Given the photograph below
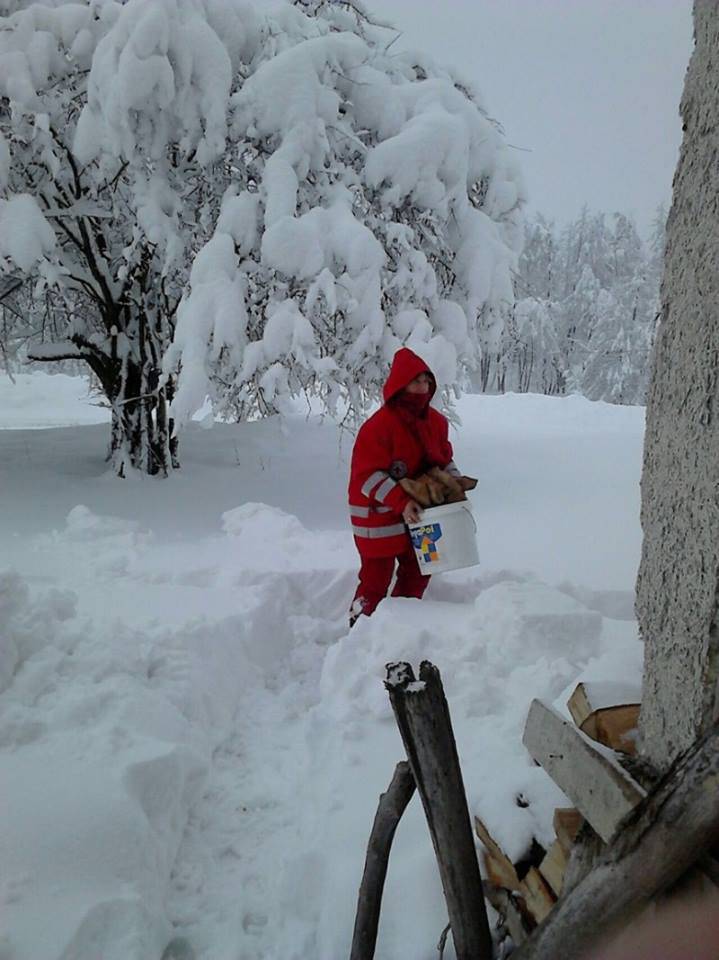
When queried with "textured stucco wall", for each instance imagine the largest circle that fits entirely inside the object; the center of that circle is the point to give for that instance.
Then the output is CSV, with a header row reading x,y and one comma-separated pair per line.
x,y
678,582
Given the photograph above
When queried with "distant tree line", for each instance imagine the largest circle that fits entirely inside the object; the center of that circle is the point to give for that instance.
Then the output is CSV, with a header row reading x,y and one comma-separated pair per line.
x,y
585,313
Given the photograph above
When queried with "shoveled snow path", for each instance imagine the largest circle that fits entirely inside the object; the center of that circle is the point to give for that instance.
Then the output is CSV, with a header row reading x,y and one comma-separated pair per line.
x,y
227,884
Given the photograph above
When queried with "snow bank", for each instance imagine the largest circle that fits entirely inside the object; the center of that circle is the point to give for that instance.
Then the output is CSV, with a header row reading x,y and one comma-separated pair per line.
x,y
39,400
107,740
507,642
191,743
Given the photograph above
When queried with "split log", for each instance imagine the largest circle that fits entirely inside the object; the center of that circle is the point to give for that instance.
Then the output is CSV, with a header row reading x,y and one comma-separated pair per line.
x,y
535,892
512,912
567,821
422,715
607,712
498,867
658,843
600,789
553,867
392,805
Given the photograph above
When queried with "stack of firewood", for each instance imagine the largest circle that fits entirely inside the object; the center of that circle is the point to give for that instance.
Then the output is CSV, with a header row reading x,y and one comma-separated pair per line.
x,y
524,892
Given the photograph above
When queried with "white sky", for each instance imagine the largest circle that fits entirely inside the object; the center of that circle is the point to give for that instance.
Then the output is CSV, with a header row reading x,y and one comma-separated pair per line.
x,y
591,87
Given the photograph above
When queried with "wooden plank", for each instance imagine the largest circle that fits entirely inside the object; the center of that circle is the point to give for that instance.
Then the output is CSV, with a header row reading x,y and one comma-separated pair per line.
x,y
553,866
665,836
567,821
602,792
423,719
498,867
537,894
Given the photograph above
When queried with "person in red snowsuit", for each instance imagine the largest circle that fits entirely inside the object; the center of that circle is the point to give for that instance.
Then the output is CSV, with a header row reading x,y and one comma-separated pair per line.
x,y
405,437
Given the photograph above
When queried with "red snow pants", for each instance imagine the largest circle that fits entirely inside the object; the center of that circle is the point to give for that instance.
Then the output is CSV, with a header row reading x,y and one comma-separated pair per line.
x,y
375,577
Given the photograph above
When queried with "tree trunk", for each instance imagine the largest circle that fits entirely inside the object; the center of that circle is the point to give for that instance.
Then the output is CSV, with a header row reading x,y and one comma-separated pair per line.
x,y
423,719
140,434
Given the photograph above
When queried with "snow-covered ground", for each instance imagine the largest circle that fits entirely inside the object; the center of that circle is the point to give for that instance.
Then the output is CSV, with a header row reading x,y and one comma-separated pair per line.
x,y
190,741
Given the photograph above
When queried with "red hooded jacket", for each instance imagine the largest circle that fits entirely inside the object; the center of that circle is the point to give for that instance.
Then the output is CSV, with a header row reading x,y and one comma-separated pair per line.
x,y
393,443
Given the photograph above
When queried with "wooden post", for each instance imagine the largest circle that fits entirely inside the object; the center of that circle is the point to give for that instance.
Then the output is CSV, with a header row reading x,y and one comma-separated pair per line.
x,y
392,805
422,714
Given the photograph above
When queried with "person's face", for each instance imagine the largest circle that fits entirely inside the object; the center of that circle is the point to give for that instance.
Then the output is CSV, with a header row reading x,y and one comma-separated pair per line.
x,y
420,384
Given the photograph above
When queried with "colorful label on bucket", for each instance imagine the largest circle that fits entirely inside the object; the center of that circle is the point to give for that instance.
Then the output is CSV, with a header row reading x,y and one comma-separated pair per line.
x,y
424,540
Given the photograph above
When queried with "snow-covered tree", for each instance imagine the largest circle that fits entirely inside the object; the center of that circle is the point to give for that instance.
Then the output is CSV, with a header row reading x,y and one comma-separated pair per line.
x,y
111,117
276,187
375,205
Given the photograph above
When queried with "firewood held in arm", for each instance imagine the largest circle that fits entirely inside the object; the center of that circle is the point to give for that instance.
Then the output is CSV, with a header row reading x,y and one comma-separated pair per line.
x,y
436,487
422,715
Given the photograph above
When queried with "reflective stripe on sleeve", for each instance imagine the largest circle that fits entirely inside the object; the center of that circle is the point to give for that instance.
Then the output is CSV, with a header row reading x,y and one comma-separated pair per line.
x,y
376,533
384,488
360,511
377,477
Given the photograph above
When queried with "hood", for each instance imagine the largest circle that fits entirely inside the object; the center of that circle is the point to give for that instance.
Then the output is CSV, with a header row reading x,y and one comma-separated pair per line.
x,y
406,365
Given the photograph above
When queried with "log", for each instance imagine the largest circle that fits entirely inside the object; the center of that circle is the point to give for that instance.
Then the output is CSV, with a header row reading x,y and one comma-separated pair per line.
x,y
607,712
553,867
499,868
512,911
392,805
536,894
615,727
602,792
567,821
422,715
589,696
658,843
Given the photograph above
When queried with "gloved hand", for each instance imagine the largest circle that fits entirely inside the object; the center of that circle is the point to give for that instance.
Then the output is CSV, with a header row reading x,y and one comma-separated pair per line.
x,y
411,512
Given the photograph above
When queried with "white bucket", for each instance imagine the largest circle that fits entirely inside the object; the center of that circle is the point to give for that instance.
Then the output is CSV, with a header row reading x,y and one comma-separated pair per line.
x,y
444,539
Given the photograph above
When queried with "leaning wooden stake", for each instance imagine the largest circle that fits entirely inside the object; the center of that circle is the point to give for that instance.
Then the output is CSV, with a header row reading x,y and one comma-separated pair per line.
x,y
391,806
422,714
658,843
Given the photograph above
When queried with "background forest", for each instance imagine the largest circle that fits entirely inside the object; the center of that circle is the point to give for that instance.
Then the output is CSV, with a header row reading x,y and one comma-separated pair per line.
x,y
586,310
